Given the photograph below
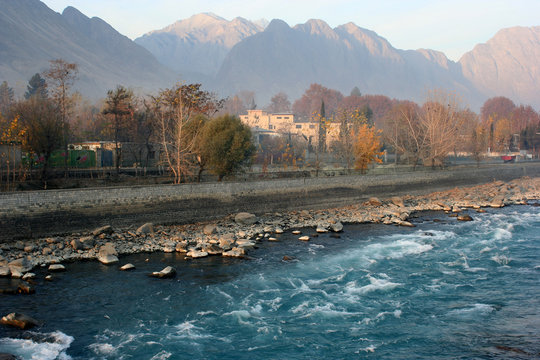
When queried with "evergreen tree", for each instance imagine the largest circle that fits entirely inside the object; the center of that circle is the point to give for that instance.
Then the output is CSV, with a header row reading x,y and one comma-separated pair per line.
x,y
6,98
356,91
322,129
37,86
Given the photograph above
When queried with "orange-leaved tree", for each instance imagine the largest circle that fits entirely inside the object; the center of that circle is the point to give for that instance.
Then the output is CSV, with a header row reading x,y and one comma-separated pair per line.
x,y
367,147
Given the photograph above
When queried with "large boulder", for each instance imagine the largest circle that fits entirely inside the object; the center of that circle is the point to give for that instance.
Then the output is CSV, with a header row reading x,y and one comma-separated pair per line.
x,y
195,254
19,320
127,267
145,229
4,271
107,254
21,265
84,243
107,229
337,227
210,229
373,201
245,218
398,201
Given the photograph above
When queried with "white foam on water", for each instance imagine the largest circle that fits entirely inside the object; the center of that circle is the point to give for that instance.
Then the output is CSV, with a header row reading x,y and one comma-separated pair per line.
x,y
485,250
204,313
103,349
375,285
326,310
502,234
381,316
369,349
501,259
188,330
52,347
240,315
396,249
162,355
476,309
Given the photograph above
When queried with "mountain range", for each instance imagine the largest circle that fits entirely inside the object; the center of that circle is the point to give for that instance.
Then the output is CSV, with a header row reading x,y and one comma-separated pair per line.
x,y
237,55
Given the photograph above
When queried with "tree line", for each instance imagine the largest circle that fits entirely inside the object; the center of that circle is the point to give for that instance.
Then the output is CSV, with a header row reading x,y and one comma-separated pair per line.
x,y
198,131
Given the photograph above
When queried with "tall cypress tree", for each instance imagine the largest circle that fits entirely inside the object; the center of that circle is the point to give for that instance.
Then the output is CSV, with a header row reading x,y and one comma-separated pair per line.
x,y
6,97
322,129
37,86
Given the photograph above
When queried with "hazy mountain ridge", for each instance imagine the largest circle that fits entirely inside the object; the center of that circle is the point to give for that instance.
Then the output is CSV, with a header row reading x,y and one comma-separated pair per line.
x,y
197,45
31,34
236,55
288,59
507,65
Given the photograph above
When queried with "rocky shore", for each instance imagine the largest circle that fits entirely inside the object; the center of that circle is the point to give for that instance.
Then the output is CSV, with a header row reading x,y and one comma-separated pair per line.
x,y
236,234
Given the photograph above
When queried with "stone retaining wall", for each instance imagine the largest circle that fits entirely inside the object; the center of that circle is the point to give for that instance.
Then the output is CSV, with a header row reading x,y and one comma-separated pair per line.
x,y
45,213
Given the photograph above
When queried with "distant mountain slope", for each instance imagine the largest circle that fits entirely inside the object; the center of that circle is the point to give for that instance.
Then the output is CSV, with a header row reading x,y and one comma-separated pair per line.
x,y
508,65
31,34
199,44
288,59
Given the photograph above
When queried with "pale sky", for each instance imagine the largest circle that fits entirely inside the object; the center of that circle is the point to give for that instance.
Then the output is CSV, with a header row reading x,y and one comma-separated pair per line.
x,y
450,26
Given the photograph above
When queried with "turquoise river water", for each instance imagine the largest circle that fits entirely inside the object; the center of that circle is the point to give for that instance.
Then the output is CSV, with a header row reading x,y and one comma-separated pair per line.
x,y
442,290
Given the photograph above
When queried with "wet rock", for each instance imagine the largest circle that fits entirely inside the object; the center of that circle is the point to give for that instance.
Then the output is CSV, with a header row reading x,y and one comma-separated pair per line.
x,y
406,224
272,239
321,228
244,218
245,243
465,217
19,320
127,267
288,258
235,252
15,286
49,277
29,248
480,211
107,229
84,243
278,230
304,238
46,251
4,271
195,254
28,276
212,249
107,259
146,229
166,273
296,232
337,227
56,268
181,247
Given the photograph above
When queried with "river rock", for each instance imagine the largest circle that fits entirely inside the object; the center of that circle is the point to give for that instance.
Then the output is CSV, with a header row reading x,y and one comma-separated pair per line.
x,y
28,276
396,200
210,229
321,228
235,252
127,267
337,227
244,218
57,267
84,243
212,249
245,243
29,248
304,238
107,229
46,251
4,271
181,247
278,230
373,201
195,254
19,320
108,249
16,273
21,265
166,273
406,224
107,259
271,238
465,217
145,229
296,232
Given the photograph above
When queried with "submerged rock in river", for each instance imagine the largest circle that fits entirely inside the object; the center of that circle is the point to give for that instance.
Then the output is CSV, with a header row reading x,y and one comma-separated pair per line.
x,y
19,320
168,272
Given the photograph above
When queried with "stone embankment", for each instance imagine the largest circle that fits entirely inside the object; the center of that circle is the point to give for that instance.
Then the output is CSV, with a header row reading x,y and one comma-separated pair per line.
x,y
235,235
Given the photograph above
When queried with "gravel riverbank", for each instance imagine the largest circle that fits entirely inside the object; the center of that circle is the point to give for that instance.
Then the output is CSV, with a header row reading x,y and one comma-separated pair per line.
x,y
236,234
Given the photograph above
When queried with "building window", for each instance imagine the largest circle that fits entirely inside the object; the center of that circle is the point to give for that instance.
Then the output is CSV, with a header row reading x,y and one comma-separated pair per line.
x,y
287,117
298,126
279,117
270,127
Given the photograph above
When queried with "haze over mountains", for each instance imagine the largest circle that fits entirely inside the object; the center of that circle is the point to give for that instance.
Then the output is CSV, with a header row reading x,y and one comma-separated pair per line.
x,y
232,56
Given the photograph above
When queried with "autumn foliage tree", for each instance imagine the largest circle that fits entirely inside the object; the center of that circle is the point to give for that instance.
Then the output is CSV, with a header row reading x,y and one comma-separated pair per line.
x,y
367,147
